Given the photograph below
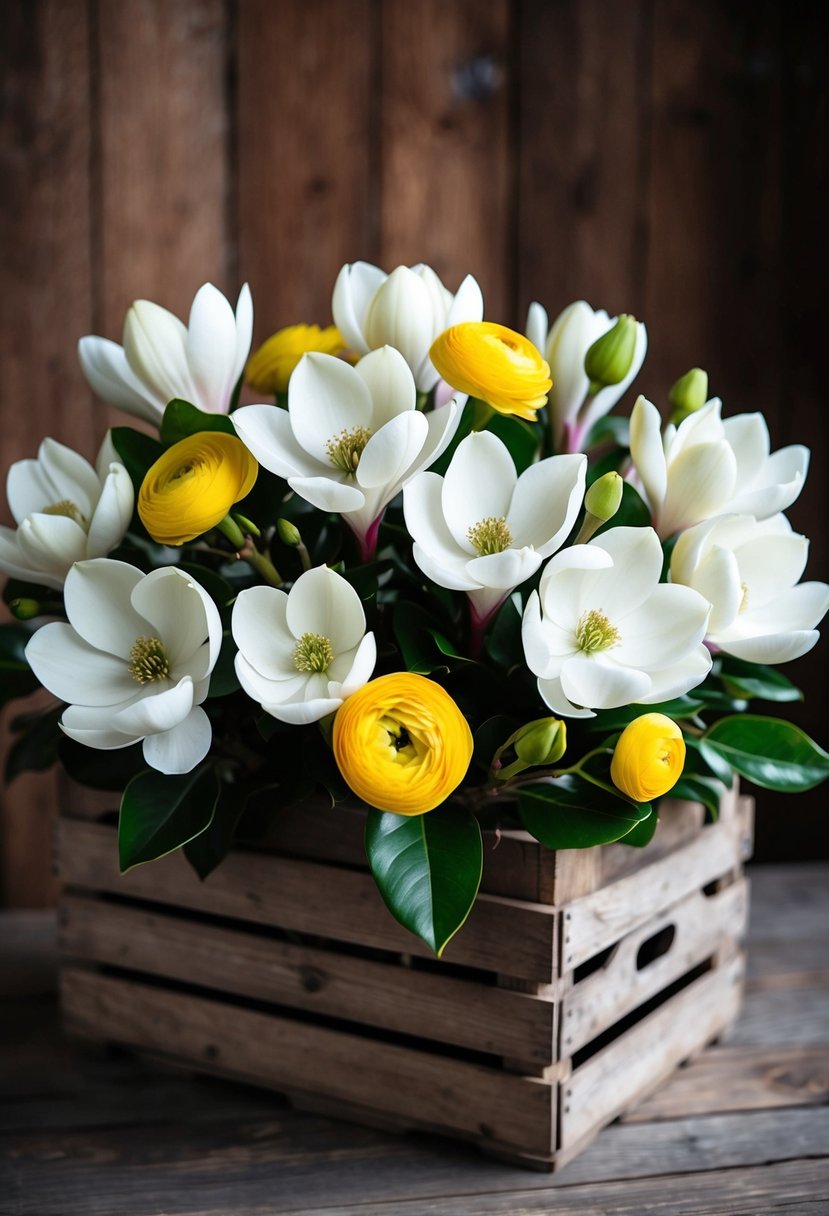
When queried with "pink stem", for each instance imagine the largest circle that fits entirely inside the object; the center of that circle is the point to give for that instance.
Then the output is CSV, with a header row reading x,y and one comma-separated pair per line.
x,y
478,627
368,540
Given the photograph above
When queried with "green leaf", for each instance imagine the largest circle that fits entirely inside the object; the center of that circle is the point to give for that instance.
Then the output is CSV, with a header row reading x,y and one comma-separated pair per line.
x,y
641,835
699,789
569,813
490,735
16,676
160,813
520,439
616,429
414,629
137,451
428,869
182,419
747,680
702,760
618,719
210,847
633,513
503,639
774,754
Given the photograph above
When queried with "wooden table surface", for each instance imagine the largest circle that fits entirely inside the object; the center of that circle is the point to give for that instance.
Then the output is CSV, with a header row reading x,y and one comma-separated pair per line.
x,y
743,1129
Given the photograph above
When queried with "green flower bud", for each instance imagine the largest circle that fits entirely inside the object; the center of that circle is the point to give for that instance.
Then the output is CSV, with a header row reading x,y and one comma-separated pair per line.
x,y
688,395
25,609
289,533
609,359
604,497
541,742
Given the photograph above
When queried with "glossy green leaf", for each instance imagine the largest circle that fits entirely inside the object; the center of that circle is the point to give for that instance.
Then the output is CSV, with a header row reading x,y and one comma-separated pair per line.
x,y
520,439
701,760
210,847
16,676
160,813
427,868
182,419
774,754
503,638
747,680
569,813
137,451
643,833
612,428
414,631
618,719
699,789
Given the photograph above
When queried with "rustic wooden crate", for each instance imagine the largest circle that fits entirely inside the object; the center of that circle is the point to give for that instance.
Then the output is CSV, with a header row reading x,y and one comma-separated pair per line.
x,y
580,981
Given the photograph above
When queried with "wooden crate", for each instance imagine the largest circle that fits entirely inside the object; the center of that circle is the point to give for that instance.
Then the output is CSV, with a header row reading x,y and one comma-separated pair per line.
x,y
580,981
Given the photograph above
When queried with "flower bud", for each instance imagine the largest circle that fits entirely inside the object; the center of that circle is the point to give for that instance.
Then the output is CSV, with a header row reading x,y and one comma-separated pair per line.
x,y
688,395
610,357
648,758
541,742
289,533
25,609
604,497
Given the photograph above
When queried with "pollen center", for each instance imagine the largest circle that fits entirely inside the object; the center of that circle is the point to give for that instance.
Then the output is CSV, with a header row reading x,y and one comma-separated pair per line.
x,y
490,535
595,633
313,653
743,599
148,660
68,509
344,450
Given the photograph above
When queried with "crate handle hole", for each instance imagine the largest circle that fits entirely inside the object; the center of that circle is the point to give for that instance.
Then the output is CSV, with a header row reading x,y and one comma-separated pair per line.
x,y
655,947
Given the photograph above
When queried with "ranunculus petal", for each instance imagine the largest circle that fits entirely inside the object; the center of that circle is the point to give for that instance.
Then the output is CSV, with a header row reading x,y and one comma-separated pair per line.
x,y
326,397
158,711
322,602
478,485
182,747
73,670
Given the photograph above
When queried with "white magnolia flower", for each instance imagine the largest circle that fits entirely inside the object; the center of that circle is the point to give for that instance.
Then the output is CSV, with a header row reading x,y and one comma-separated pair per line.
x,y
302,653
161,358
707,467
601,631
747,570
351,437
564,346
65,511
483,529
133,661
406,309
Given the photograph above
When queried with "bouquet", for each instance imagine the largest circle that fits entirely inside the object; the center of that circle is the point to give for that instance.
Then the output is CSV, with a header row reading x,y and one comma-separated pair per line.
x,y
431,575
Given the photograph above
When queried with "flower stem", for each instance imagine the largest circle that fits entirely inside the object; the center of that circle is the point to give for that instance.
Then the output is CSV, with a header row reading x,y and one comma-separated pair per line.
x,y
247,551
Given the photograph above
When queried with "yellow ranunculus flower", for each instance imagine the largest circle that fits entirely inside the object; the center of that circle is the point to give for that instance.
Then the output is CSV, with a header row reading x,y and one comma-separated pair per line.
x,y
649,757
269,369
402,744
193,486
497,364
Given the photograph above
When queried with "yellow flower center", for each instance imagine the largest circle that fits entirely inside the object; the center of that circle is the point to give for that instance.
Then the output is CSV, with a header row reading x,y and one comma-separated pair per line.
x,y
68,509
594,633
313,653
490,535
148,660
743,599
344,450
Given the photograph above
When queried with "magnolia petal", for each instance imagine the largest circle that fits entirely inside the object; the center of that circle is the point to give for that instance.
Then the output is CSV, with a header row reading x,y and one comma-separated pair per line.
x,y
181,612
503,571
390,383
563,582
546,501
442,423
573,332
157,711
423,512
326,397
392,450
485,601
647,452
28,489
703,426
599,683
553,695
266,431
13,563
777,484
637,567
748,436
98,602
478,485
360,672
93,727
355,286
679,678
244,331
663,629
401,314
51,543
107,370
74,671
701,483
113,513
770,563
211,349
718,579
261,632
155,342
467,304
72,477
451,575
300,713
772,647
800,607
537,652
537,326
327,494
181,748
265,691
322,602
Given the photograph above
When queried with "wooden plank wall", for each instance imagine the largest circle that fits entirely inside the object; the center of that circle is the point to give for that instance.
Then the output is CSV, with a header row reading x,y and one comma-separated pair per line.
x,y
660,156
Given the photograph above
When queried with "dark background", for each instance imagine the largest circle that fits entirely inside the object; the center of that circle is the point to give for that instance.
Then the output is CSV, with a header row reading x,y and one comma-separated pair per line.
x,y
665,157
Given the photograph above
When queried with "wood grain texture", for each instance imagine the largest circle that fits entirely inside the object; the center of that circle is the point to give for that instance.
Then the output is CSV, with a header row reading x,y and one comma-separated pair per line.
x,y
304,187
446,143
45,305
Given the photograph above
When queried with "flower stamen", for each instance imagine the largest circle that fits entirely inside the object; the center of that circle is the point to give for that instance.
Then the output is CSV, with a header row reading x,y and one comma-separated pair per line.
x,y
313,653
594,633
148,661
490,535
68,509
743,599
344,450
